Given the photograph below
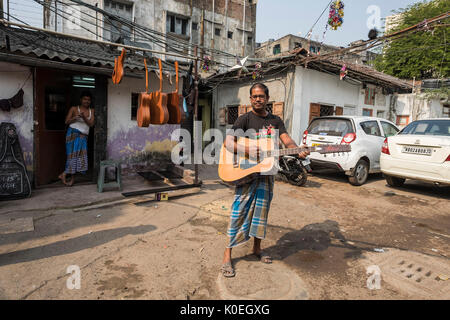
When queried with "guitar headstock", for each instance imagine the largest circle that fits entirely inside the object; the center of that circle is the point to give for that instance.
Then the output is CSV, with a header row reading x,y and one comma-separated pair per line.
x,y
333,148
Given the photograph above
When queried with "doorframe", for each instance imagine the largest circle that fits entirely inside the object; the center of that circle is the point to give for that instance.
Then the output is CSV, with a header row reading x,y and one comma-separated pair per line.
x,y
100,125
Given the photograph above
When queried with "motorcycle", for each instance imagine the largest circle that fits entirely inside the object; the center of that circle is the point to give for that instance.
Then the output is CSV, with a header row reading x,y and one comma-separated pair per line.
x,y
294,170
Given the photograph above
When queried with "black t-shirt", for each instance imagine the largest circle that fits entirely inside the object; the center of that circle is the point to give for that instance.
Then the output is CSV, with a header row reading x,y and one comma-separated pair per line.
x,y
262,125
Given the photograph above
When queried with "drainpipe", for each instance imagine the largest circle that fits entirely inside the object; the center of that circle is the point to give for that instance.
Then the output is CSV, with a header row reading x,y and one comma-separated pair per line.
x,y
243,32
213,29
202,33
226,24
56,16
96,21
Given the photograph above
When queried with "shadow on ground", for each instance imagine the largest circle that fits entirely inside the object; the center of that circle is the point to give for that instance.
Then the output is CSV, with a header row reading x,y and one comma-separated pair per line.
x,y
87,241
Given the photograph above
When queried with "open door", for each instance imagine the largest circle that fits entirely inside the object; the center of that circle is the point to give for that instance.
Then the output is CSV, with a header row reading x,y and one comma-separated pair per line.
x,y
56,92
52,105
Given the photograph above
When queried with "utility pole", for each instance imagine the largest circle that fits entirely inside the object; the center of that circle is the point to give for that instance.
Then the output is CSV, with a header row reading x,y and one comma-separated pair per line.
x,y
243,32
1,17
195,113
56,16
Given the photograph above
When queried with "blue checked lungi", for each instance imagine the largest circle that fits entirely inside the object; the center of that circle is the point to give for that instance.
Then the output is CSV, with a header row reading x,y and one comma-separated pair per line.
x,y
250,210
76,151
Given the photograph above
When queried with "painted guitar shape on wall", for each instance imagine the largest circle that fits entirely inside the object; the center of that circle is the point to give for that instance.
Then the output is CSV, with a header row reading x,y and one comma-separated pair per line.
x,y
233,167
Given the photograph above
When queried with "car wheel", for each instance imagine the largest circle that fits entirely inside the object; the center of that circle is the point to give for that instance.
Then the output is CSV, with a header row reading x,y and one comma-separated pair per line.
x,y
394,182
360,174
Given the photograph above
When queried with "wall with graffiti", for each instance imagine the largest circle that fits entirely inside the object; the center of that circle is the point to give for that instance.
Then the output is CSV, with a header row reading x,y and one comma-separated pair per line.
x,y
13,77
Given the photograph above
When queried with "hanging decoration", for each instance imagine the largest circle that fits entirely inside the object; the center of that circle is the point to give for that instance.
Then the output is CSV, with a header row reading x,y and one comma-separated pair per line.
x,y
343,72
335,19
257,72
240,66
206,63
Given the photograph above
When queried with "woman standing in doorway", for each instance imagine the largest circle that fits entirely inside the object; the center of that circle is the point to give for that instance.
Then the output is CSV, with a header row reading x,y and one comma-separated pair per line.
x,y
79,119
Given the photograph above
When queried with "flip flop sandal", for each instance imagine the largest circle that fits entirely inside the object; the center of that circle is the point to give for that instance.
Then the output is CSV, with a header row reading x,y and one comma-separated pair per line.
x,y
264,257
227,270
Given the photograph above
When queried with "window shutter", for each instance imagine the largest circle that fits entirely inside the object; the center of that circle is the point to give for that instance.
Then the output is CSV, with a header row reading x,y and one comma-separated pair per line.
x,y
242,110
222,116
314,111
339,111
278,109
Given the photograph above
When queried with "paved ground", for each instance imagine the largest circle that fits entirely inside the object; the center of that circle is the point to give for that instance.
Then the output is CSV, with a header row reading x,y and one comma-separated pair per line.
x,y
322,237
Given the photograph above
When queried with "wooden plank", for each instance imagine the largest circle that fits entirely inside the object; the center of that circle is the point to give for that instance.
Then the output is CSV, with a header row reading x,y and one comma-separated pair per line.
x,y
16,225
160,189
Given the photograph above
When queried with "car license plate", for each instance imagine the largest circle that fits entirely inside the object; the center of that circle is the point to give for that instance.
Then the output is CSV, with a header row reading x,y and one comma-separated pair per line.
x,y
315,145
417,150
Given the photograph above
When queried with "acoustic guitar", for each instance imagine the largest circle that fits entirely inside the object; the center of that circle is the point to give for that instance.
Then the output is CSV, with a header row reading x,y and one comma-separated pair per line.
x,y
158,107
118,68
175,103
145,99
234,167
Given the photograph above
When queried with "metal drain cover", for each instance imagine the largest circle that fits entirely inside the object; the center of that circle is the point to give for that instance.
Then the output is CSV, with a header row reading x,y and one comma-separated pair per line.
x,y
413,273
255,280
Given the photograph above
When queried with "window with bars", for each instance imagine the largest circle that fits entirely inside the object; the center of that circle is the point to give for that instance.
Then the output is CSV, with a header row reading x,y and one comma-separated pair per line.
x,y
277,49
232,114
177,24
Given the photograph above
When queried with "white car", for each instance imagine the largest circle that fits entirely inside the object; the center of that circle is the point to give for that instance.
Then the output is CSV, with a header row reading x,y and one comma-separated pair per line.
x,y
421,151
365,135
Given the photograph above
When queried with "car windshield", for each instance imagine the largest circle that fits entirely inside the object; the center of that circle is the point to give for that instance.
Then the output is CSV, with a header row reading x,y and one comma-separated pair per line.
x,y
428,127
330,127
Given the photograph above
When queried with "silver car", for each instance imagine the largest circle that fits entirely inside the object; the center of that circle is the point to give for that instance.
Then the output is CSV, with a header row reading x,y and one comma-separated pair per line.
x,y
365,135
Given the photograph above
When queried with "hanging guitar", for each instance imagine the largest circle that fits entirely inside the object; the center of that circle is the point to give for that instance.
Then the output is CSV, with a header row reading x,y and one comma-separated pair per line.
x,y
118,68
234,167
158,107
145,99
175,103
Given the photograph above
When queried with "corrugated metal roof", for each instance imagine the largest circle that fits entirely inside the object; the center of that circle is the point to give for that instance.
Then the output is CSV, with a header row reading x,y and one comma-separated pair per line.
x,y
298,56
67,49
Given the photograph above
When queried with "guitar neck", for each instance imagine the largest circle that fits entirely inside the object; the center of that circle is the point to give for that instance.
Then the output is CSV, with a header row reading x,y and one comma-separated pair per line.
x,y
286,152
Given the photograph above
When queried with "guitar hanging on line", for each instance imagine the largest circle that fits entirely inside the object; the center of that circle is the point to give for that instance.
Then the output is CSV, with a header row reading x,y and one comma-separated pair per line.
x,y
233,167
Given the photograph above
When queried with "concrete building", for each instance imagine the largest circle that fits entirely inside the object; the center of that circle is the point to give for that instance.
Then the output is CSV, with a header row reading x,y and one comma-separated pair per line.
x,y
53,71
392,22
300,92
226,25
275,48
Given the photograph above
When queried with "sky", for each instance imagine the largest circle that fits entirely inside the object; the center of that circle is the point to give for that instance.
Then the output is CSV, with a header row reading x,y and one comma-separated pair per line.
x,y
277,18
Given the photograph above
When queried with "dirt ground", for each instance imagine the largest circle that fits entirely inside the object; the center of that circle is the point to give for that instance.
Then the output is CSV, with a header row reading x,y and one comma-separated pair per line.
x,y
323,237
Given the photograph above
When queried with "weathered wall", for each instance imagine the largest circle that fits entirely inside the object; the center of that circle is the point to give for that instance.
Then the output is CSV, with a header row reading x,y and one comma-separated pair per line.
x,y
417,108
125,138
318,87
12,78
152,14
280,90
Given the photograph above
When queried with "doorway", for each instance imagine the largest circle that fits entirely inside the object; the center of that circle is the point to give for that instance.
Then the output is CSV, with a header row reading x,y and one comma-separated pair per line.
x,y
56,92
